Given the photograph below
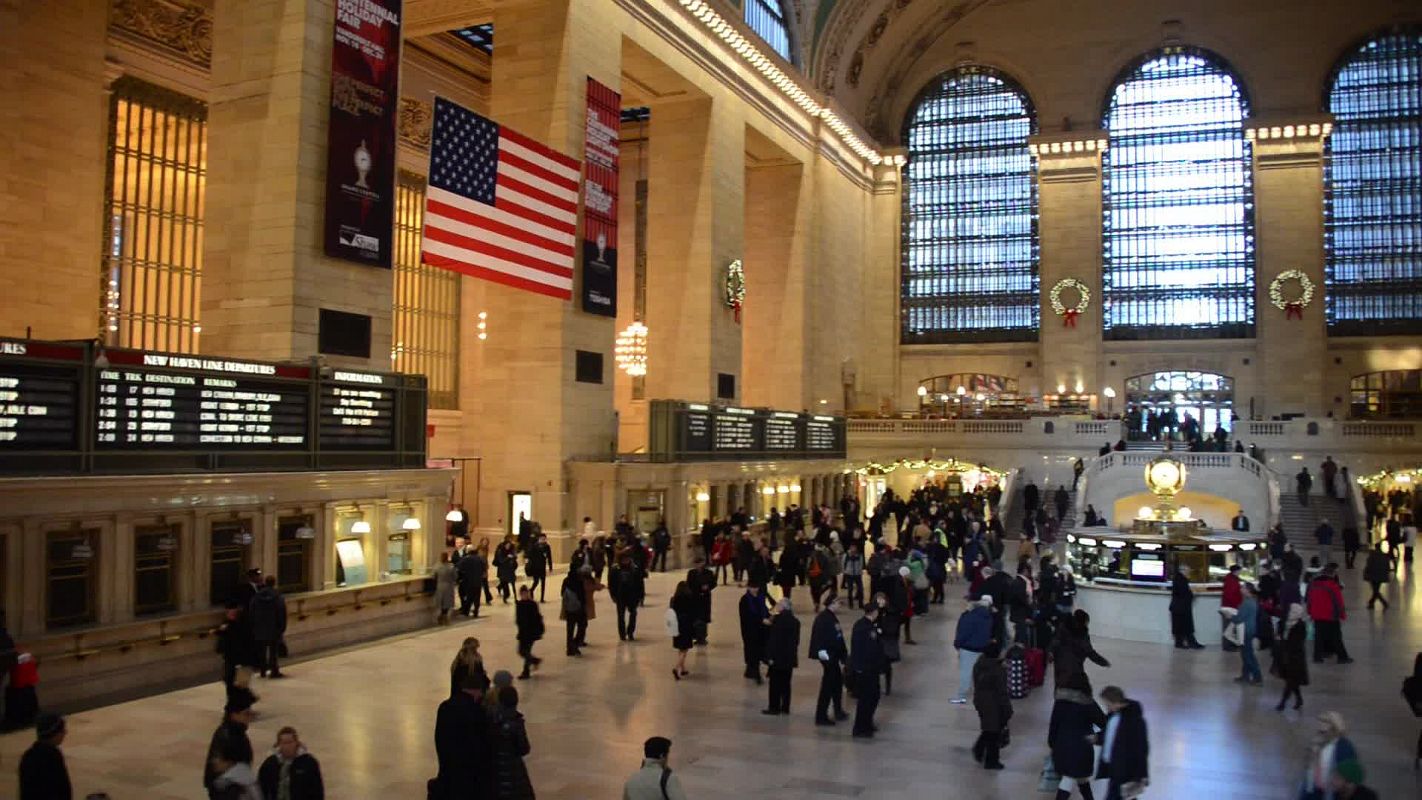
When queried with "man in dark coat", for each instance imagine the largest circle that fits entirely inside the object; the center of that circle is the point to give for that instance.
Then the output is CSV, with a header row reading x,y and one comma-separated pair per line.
x,y
701,579
302,772
1240,522
230,741
993,703
574,599
661,543
463,743
866,661
471,572
1182,611
43,775
268,613
627,584
1376,572
755,619
1125,745
537,564
828,648
1061,499
782,654
1030,497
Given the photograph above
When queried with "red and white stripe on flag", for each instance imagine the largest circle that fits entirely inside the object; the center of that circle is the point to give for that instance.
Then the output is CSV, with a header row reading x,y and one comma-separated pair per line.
x,y
499,206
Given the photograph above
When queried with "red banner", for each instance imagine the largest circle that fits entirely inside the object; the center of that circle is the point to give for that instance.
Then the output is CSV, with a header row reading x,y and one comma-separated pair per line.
x,y
360,138
600,152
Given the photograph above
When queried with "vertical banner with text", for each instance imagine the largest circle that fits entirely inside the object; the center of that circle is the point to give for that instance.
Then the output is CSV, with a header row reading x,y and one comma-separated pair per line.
x,y
360,158
600,150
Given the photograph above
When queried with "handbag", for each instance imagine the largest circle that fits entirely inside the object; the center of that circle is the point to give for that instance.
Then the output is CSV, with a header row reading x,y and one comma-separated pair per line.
x,y
571,603
1234,634
1049,779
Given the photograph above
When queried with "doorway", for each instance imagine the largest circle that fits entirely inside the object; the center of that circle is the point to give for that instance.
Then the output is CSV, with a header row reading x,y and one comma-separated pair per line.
x,y
520,505
1167,405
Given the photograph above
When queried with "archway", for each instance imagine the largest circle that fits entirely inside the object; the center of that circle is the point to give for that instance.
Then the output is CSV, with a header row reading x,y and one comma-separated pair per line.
x,y
1171,404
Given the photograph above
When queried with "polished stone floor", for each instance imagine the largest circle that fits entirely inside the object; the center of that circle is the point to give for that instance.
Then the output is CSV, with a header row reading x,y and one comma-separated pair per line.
x,y
368,713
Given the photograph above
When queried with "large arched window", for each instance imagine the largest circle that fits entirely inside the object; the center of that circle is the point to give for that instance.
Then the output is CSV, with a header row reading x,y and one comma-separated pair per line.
x,y
1374,198
970,213
1178,201
767,19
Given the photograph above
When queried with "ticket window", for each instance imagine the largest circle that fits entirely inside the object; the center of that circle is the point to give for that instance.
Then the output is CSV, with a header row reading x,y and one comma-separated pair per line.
x,y
398,554
294,540
231,541
71,578
155,556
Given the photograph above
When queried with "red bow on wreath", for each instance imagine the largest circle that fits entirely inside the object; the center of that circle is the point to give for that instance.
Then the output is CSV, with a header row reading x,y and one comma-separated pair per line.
x,y
1069,318
1293,311
736,307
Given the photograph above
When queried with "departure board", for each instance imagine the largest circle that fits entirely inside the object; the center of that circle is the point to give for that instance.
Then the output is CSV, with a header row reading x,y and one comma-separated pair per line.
x,y
358,411
39,395
706,432
149,401
781,431
76,407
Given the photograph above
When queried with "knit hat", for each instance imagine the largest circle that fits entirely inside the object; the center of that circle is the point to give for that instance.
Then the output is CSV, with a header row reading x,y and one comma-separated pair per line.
x,y
503,678
47,725
904,571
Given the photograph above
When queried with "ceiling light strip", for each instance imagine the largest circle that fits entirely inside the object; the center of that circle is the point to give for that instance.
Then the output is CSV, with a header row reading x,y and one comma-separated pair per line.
x,y
786,84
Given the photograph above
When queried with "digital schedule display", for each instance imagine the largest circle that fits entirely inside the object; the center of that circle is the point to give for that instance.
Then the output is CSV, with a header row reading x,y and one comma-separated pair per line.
x,y
75,407
39,396
197,404
703,431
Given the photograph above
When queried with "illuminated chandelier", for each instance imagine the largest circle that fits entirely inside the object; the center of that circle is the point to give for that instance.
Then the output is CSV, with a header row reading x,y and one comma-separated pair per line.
x,y
631,349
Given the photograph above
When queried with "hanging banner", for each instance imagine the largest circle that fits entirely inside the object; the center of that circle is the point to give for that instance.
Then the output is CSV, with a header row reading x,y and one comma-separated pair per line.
x,y
600,150
360,157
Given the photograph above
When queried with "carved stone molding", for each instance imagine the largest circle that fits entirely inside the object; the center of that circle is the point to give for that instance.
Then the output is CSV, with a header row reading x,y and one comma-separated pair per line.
x,y
175,27
413,126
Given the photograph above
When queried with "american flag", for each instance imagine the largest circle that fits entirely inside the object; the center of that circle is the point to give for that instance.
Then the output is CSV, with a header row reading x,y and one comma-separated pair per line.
x,y
499,205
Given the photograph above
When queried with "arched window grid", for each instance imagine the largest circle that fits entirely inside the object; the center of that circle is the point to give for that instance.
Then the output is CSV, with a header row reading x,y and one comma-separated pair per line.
x,y
1373,180
970,243
767,18
1178,201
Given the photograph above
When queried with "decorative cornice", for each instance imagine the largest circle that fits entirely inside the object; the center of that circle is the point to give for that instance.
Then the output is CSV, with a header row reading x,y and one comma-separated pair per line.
x,y
903,62
178,28
872,38
414,122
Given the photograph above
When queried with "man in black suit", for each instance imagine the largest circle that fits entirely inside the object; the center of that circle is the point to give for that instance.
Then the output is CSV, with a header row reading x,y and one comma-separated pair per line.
x,y
827,647
782,654
1240,522
866,659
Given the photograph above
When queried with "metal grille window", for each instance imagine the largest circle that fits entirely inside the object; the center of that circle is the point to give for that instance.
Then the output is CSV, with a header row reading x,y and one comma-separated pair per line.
x,y
426,340
294,538
152,249
970,213
154,556
1394,394
71,577
1178,198
1373,217
228,565
767,19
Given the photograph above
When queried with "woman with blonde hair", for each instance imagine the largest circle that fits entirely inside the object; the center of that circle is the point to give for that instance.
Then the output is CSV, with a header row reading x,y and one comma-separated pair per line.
x,y
465,661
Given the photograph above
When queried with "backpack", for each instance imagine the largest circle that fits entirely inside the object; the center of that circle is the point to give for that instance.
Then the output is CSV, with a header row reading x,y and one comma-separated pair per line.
x,y
571,603
816,570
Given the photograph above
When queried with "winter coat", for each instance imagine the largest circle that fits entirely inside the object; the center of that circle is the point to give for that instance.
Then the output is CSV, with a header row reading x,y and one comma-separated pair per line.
x,y
1075,716
573,586
1232,593
268,615
539,559
627,585
753,613
646,783
1070,653
304,777
1325,600
974,632
1129,758
529,621
826,635
464,749
444,586
782,643
1378,569
43,775
990,695
230,741
1182,597
506,563
510,747
1292,658
866,656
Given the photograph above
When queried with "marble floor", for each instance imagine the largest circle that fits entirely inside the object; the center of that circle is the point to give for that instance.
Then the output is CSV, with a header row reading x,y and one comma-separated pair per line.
x,y
367,714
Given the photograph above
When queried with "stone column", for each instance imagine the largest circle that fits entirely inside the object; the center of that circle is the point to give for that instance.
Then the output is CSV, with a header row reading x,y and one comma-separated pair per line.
x,y
777,210
1288,220
543,57
695,222
265,274
55,118
1069,209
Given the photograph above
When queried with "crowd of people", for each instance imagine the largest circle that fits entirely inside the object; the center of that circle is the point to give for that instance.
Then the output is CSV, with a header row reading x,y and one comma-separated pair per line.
x,y
893,564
